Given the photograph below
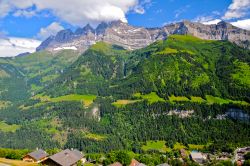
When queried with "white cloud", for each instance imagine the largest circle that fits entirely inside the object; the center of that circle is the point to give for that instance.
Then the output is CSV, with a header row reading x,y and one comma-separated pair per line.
x,y
139,10
244,24
75,12
238,9
24,13
181,10
203,19
4,9
215,21
13,46
52,29
141,7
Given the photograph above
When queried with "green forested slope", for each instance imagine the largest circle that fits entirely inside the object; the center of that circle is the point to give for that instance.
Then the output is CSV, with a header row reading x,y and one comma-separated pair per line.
x,y
178,90
29,74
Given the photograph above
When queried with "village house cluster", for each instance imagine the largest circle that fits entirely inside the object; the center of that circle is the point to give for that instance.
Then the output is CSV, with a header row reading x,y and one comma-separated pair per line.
x,y
64,158
74,157
240,153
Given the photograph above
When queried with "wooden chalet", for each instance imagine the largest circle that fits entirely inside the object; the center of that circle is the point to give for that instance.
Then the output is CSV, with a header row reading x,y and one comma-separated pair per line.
x,y
197,157
36,156
64,158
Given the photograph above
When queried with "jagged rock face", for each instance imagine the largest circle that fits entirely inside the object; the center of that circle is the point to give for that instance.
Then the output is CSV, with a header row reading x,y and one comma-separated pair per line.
x,y
221,31
85,30
131,38
127,36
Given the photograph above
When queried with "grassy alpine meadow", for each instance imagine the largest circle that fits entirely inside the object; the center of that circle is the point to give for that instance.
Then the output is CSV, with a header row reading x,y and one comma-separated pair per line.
x,y
179,146
120,103
156,145
197,99
196,147
151,97
4,74
86,99
96,137
212,100
4,104
178,98
4,127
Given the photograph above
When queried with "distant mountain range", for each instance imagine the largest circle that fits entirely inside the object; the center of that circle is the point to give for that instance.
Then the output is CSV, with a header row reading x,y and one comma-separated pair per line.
x,y
131,37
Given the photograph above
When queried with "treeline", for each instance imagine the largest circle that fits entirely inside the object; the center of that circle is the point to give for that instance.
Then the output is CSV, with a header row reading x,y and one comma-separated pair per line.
x,y
16,154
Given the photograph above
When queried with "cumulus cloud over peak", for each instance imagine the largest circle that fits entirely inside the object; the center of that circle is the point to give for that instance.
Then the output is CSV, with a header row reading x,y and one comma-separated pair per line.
x,y
52,29
244,24
74,12
238,9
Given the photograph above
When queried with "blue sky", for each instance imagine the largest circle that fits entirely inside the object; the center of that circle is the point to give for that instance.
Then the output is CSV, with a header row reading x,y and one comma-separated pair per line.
x,y
38,19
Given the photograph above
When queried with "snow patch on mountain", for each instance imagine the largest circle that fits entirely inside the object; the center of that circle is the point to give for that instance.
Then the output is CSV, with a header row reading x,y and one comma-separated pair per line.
x,y
65,48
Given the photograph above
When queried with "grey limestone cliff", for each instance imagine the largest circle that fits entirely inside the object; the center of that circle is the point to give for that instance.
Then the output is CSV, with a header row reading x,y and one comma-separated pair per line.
x,y
131,37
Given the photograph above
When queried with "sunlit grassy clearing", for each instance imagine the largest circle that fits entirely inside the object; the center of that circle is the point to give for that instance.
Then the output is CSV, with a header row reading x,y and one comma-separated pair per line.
x,y
120,103
197,99
96,137
195,147
218,100
188,38
86,99
8,128
242,73
156,145
168,51
4,104
178,146
177,98
3,74
209,100
151,97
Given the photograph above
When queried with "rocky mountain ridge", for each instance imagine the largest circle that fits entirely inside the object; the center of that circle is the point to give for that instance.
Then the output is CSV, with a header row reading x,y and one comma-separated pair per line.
x,y
131,37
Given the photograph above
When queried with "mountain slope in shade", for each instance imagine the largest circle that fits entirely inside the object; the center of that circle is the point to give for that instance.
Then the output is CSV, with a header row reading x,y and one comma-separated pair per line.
x,y
24,75
131,38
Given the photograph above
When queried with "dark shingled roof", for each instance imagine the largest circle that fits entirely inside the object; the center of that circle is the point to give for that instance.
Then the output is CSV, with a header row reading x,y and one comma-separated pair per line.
x,y
67,157
38,155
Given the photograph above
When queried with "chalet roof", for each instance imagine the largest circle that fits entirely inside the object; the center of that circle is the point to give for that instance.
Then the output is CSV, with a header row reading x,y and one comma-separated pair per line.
x,y
134,163
116,164
164,164
141,164
77,153
67,157
38,155
196,155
